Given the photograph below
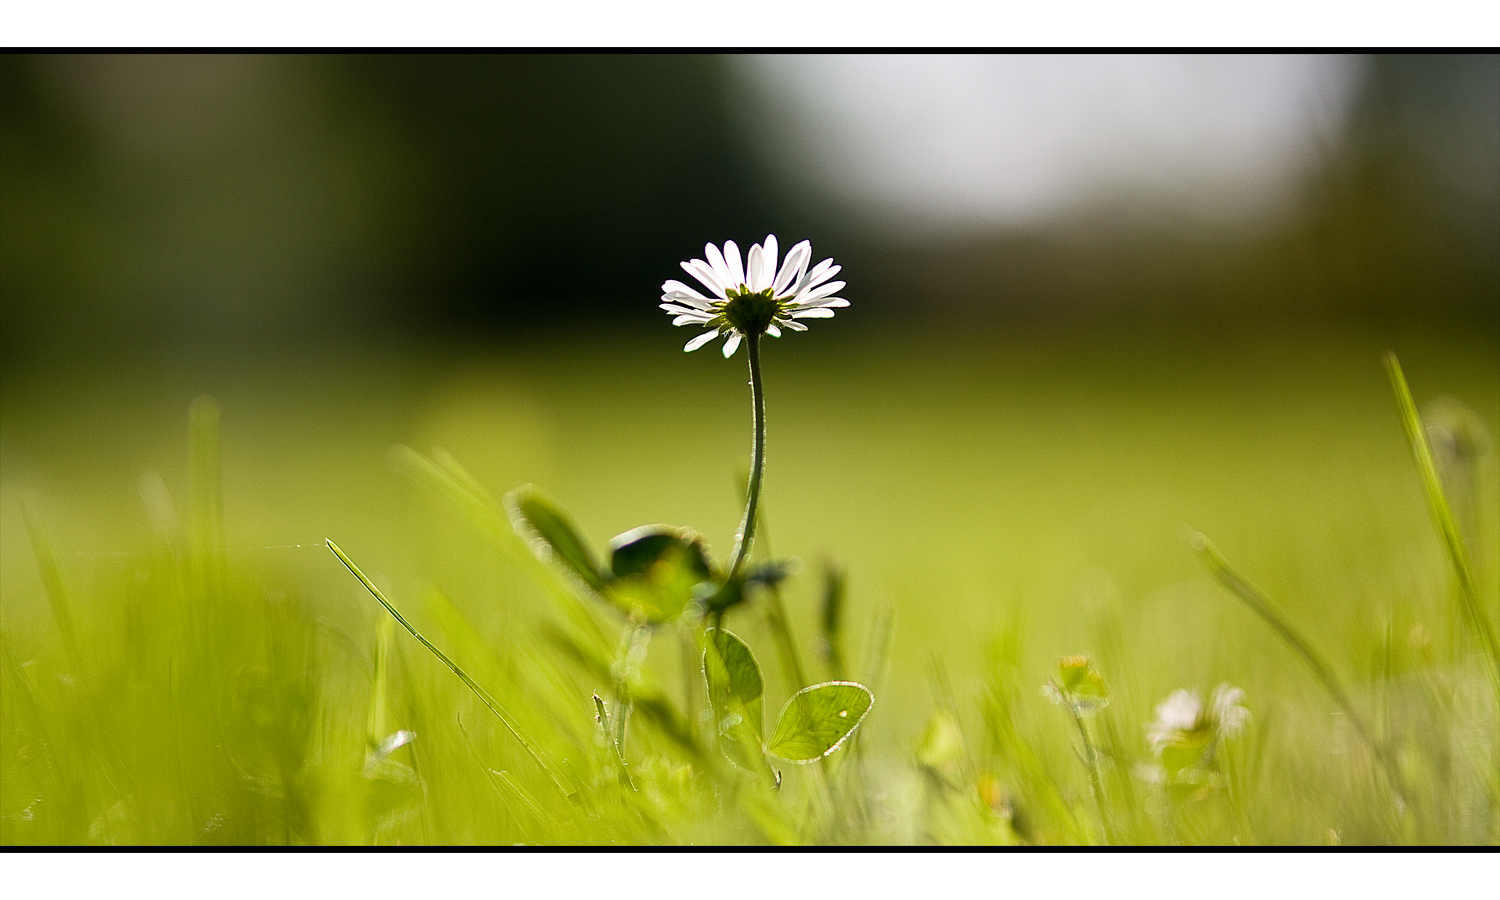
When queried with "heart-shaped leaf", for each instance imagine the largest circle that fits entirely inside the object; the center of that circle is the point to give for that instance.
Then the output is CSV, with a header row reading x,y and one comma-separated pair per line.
x,y
735,694
549,531
733,677
653,571
817,719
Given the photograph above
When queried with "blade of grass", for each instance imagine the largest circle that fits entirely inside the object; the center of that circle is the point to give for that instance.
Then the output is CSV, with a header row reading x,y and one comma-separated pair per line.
x,y
537,753
1290,635
1442,515
55,584
207,490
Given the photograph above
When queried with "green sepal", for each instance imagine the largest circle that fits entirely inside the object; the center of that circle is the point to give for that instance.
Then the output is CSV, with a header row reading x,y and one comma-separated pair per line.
x,y
733,676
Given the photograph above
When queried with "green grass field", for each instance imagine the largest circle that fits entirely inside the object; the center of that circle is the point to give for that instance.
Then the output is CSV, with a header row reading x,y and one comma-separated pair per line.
x,y
185,662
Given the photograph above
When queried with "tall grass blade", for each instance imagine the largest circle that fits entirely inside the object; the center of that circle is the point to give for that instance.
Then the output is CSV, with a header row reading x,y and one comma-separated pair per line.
x,y
207,522
458,490
537,753
1442,515
1290,635
378,722
59,595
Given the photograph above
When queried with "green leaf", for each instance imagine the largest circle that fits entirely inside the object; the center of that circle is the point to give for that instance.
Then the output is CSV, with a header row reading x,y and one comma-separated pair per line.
x,y
735,694
549,531
1186,750
817,719
733,677
653,571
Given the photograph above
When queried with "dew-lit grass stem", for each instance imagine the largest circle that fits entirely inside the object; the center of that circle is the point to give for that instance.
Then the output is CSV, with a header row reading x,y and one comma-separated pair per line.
x,y
505,718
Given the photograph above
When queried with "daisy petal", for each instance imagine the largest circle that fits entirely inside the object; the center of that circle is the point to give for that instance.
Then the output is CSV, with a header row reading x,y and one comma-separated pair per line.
x,y
813,295
792,270
732,261
720,267
701,271
677,297
767,272
795,326
817,312
773,331
827,302
699,341
692,320
686,310
673,286
819,274
731,345
755,266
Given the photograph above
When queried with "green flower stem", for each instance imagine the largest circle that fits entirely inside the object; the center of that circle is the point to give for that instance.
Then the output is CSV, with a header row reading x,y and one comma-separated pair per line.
x,y
781,626
746,533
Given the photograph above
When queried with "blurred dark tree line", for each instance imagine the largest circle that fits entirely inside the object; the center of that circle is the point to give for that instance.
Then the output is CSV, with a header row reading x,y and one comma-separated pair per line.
x,y
222,199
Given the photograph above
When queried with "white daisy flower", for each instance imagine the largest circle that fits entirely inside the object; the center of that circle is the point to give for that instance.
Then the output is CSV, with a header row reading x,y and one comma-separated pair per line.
x,y
1175,715
1184,716
753,297
1228,712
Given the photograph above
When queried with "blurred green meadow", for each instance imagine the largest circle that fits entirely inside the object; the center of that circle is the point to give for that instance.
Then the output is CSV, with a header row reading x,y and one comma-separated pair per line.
x,y
185,662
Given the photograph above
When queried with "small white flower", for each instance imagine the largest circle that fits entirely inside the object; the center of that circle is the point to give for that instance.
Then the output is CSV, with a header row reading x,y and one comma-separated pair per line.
x,y
1228,712
1177,714
753,297
1183,714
